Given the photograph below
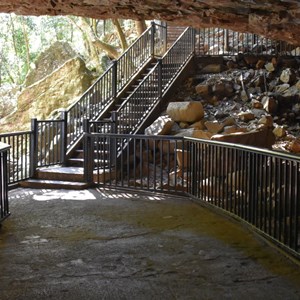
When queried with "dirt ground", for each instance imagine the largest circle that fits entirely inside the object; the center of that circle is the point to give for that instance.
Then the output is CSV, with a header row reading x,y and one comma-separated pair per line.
x,y
115,244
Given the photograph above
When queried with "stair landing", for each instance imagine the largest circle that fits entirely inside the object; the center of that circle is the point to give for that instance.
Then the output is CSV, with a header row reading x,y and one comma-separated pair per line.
x,y
58,177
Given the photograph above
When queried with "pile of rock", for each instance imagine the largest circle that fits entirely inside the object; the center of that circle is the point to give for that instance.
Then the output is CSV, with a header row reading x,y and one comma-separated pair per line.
x,y
253,101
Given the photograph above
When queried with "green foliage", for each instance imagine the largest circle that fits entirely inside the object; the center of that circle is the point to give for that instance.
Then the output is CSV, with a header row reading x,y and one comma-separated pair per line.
x,y
23,38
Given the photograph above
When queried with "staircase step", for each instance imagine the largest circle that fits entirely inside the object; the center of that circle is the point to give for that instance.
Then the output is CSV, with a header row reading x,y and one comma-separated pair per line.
x,y
60,173
78,162
101,152
54,184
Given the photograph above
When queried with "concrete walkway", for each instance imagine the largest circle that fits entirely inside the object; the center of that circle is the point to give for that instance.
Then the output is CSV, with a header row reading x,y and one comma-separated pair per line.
x,y
104,244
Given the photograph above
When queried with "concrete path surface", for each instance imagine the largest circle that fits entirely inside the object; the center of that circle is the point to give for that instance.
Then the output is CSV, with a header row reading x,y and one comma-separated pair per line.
x,y
114,244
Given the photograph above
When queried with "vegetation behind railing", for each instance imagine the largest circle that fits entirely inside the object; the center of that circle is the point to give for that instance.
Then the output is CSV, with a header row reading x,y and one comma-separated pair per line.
x,y
258,186
4,206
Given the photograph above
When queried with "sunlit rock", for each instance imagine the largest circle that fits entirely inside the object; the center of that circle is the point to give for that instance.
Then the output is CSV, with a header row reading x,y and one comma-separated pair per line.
x,y
185,111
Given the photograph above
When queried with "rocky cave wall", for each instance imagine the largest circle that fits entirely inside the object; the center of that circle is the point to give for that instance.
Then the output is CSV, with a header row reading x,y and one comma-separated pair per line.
x,y
276,19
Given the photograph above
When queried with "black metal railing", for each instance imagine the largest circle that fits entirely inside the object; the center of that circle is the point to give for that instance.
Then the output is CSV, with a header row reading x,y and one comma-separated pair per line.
x,y
48,145
220,41
258,186
90,105
4,206
176,57
137,106
104,91
18,155
139,161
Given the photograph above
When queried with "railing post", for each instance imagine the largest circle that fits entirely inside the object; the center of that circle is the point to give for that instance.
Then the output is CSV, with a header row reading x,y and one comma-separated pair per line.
x,y
165,37
152,39
86,125
159,83
114,82
113,143
33,147
226,40
4,179
88,153
63,136
193,32
115,122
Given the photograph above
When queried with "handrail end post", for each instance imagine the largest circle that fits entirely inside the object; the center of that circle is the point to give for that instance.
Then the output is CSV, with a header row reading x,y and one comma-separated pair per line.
x,y
33,147
88,158
115,121
64,136
86,125
152,39
160,87
114,79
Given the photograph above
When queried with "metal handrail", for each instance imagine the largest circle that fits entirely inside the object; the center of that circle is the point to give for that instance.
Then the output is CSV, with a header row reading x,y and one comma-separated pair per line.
x,y
220,42
104,91
258,186
148,93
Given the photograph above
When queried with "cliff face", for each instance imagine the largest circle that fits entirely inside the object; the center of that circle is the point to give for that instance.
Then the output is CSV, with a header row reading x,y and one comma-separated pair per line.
x,y
276,19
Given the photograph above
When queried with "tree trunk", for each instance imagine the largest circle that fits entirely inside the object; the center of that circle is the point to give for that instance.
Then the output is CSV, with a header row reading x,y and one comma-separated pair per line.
x,y
140,26
15,47
26,42
121,34
93,40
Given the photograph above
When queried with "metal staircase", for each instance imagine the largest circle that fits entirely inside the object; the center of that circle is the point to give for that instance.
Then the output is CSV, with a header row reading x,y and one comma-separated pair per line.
x,y
121,101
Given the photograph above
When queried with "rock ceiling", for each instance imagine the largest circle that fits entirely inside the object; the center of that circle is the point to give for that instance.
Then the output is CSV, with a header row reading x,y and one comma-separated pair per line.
x,y
277,19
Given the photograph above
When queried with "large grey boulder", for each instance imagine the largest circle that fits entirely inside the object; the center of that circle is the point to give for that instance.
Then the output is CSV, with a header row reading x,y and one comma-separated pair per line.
x,y
190,112
49,60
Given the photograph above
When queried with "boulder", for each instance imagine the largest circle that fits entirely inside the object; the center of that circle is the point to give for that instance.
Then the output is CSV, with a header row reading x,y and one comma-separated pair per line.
x,y
199,125
288,76
162,126
281,88
184,125
214,126
49,60
57,90
270,104
256,104
294,146
270,67
202,134
203,90
223,89
260,64
228,121
263,138
185,111
246,116
279,131
266,121
234,129
212,68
